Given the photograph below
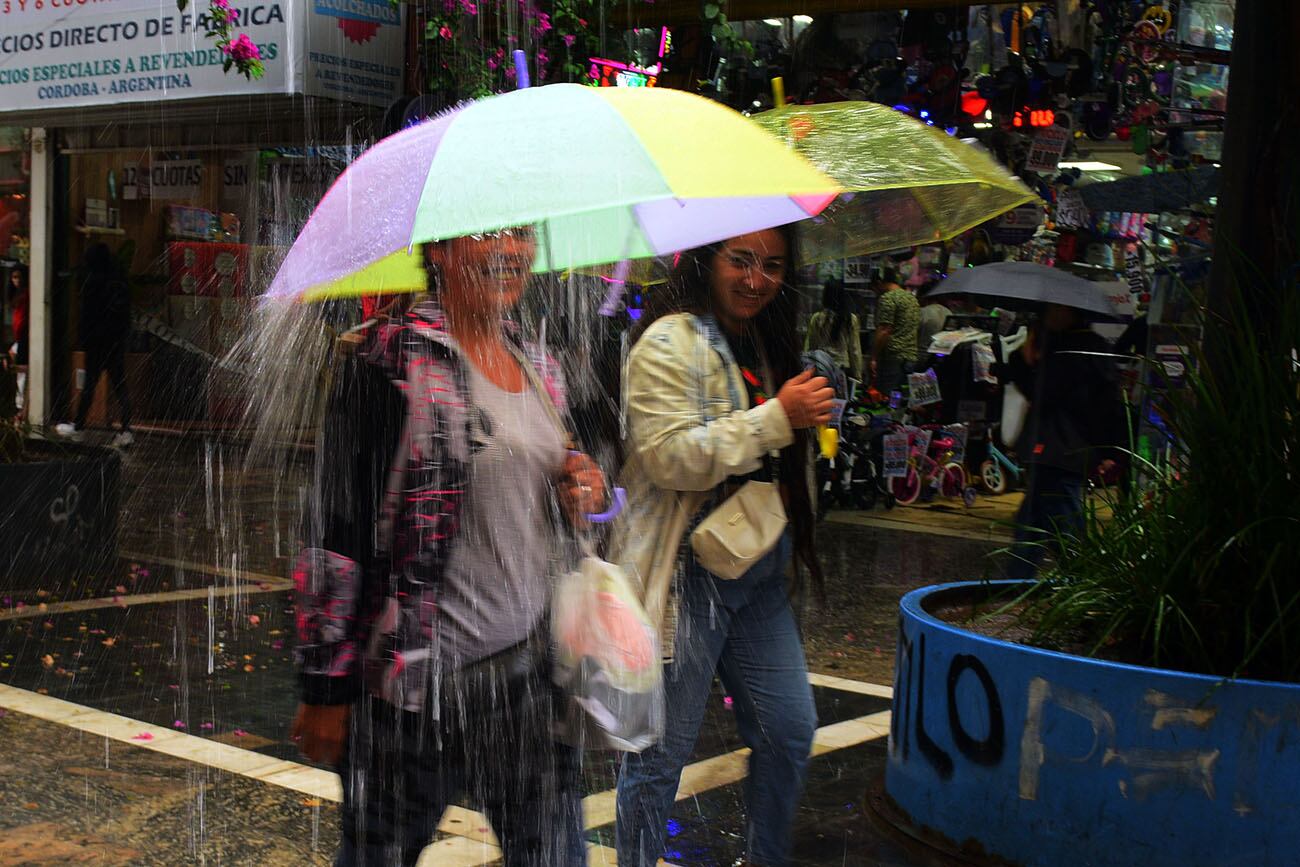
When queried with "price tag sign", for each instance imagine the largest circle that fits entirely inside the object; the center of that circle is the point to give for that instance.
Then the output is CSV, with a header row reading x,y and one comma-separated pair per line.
x,y
923,389
894,448
1045,153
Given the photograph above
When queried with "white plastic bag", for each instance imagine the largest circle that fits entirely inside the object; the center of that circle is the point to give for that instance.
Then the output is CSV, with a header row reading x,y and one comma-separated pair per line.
x,y
606,660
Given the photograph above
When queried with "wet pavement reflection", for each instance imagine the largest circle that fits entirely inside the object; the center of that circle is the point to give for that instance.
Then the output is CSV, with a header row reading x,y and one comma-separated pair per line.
x,y
188,637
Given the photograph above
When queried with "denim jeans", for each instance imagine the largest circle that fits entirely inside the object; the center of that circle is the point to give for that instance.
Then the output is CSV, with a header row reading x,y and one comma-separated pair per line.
x,y
1053,503
494,745
745,631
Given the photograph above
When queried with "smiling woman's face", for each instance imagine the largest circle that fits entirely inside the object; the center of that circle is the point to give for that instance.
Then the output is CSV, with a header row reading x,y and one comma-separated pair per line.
x,y
484,275
748,271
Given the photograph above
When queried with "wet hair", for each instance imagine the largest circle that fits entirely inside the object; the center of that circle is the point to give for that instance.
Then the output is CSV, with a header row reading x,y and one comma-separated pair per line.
x,y
836,300
888,274
690,290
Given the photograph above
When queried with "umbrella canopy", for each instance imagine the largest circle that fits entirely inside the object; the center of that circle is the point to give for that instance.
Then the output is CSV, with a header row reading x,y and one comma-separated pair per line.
x,y
906,183
603,174
1153,193
1028,282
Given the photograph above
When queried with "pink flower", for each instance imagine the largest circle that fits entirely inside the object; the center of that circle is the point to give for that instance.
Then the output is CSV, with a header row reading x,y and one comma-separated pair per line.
x,y
444,31
242,48
493,63
469,7
582,22
220,4
569,39
543,22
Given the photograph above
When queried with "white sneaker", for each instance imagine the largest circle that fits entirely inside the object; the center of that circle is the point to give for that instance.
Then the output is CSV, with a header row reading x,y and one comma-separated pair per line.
x,y
123,439
67,430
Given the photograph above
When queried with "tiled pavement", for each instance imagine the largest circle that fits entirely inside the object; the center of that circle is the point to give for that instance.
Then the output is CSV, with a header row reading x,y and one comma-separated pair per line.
x,y
147,711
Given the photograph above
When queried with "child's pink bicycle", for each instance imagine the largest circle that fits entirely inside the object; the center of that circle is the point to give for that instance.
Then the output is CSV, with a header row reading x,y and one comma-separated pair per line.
x,y
932,471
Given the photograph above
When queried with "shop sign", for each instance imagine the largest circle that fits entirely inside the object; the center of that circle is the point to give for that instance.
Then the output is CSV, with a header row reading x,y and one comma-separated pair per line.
x,y
1018,225
234,180
56,54
355,50
894,455
1045,152
171,179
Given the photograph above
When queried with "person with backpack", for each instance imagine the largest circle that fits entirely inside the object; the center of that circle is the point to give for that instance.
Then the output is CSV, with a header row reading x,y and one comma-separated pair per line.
x,y
720,415
835,330
444,479
105,326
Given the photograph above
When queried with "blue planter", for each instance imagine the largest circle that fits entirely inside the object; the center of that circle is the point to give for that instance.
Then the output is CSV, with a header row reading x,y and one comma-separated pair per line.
x,y
1045,759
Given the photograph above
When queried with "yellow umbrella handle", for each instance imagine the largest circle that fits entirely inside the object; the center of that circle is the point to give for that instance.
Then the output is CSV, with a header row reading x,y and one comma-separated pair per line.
x,y
778,92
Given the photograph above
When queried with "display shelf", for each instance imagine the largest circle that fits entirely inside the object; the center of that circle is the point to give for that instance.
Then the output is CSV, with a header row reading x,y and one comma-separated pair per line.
x,y
99,230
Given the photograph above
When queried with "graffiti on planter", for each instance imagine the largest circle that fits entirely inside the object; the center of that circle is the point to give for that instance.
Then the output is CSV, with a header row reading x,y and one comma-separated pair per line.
x,y
69,526
987,750
982,740
1150,769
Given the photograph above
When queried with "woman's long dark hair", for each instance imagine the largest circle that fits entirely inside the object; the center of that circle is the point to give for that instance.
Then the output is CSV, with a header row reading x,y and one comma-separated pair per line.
x,y
836,300
690,290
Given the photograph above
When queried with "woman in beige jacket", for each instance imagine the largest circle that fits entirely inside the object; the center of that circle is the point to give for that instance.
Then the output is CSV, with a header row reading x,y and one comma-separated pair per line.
x,y
704,415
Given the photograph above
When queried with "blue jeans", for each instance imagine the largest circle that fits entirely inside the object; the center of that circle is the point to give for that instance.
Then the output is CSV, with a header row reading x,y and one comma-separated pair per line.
x,y
745,630
1053,504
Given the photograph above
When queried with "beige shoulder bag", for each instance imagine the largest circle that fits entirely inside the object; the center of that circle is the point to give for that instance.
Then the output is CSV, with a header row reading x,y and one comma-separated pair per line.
x,y
741,531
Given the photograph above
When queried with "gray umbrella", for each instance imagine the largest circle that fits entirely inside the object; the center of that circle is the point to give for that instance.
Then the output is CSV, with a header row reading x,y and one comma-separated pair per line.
x,y
1027,282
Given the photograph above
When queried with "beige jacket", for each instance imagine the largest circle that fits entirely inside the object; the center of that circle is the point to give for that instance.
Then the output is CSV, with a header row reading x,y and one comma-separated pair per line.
x,y
684,438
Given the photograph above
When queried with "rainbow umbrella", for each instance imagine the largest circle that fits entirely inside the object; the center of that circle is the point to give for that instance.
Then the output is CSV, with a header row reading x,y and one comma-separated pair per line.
x,y
603,174
906,183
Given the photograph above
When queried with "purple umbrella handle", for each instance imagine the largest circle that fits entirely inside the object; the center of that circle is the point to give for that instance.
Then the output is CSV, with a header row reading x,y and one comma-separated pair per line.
x,y
617,503
521,70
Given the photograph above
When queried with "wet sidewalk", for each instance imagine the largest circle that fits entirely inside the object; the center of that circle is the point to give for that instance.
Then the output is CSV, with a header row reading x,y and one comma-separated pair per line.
x,y
147,711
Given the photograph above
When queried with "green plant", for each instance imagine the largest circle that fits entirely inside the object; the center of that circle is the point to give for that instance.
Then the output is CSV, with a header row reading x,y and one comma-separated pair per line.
x,y
219,23
469,44
724,33
1197,569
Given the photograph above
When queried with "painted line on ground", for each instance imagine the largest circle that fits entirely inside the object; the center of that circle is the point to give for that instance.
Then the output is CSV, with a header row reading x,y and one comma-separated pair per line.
x,y
101,602
843,684
191,566
474,842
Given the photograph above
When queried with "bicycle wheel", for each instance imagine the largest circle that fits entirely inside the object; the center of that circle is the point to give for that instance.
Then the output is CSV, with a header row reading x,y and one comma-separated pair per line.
x,y
953,480
993,477
907,488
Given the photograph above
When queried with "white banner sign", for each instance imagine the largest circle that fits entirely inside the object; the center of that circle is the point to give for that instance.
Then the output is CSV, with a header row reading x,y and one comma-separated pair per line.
x,y
71,53
355,50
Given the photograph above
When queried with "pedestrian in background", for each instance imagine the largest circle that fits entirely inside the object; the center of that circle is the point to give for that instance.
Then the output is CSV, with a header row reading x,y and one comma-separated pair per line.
x,y
893,347
105,327
715,398
835,330
1075,426
933,316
